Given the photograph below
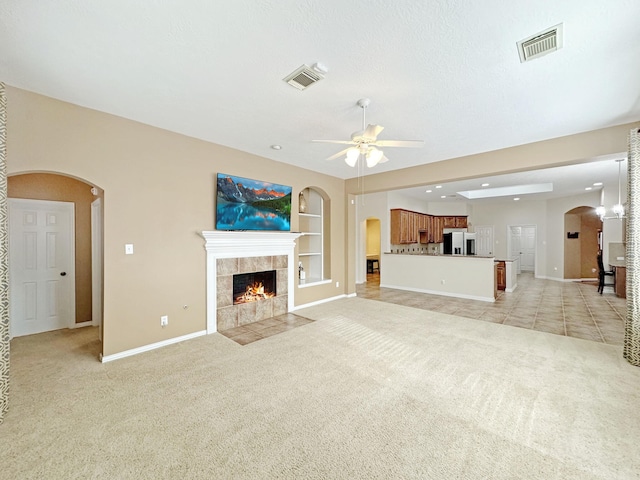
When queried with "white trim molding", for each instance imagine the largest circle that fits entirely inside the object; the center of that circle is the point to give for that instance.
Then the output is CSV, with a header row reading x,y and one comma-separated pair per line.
x,y
152,346
222,244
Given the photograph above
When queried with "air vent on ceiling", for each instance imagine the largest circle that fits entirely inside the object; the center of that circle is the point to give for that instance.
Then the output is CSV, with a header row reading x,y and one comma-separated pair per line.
x,y
540,44
303,77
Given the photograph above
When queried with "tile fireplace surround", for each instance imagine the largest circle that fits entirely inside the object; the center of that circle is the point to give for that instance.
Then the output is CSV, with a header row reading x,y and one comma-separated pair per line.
x,y
230,253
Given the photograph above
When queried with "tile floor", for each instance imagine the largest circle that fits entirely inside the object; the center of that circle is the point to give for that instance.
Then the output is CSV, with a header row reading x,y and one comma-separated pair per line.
x,y
265,328
573,309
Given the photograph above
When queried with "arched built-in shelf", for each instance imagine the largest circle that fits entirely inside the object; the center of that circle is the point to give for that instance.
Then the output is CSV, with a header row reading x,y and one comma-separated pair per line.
x,y
312,244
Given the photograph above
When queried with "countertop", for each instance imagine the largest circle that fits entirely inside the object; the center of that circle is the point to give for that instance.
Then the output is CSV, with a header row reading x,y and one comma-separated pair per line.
x,y
425,254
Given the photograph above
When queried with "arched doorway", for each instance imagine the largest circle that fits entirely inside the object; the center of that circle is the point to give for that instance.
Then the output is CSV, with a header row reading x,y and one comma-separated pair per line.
x,y
582,227
46,189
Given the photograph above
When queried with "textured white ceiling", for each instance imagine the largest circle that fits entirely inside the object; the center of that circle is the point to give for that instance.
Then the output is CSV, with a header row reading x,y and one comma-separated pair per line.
x,y
446,72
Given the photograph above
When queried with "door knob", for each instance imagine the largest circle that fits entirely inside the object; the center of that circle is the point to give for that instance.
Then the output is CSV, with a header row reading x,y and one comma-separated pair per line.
x,y
63,274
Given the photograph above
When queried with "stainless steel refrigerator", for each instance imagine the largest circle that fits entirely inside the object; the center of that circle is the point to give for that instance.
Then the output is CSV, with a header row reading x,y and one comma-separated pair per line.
x,y
453,243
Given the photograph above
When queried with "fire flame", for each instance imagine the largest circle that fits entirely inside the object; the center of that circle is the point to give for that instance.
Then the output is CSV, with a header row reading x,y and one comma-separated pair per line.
x,y
254,293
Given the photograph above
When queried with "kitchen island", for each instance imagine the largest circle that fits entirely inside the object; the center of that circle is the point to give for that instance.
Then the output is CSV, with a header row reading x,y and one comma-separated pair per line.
x,y
460,276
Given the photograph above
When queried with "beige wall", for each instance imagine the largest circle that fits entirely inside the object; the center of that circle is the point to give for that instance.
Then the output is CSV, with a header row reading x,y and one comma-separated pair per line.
x,y
572,246
43,186
580,253
158,194
373,236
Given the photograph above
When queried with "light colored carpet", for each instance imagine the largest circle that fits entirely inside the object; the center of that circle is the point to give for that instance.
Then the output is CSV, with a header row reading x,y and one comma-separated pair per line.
x,y
369,390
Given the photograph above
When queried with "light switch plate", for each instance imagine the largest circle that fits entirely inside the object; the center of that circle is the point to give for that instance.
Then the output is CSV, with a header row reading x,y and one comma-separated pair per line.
x,y
128,249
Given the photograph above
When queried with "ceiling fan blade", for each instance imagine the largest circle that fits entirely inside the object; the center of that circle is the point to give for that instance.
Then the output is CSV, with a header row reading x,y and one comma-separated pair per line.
x,y
339,154
372,131
342,142
400,143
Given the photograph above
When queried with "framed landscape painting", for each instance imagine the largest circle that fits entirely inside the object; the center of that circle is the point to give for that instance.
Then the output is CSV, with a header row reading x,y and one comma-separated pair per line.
x,y
246,204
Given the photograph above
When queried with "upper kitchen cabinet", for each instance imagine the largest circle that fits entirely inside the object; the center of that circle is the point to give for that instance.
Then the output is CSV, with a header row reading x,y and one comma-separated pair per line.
x,y
415,227
461,222
454,222
404,226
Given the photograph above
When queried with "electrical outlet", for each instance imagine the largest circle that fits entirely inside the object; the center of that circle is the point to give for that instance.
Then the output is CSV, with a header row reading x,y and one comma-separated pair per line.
x,y
128,249
164,320
337,284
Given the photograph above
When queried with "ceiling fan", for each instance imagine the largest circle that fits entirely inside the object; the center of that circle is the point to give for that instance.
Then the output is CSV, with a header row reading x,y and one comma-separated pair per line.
x,y
365,142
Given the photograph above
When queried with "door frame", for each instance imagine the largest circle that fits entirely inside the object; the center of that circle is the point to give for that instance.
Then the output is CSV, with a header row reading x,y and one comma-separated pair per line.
x,y
535,248
96,264
70,207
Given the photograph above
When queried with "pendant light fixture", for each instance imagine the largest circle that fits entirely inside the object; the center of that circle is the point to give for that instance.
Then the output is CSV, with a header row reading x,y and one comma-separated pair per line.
x,y
618,208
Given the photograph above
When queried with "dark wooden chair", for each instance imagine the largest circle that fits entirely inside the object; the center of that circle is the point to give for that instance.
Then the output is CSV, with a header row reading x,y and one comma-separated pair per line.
x,y
372,265
603,275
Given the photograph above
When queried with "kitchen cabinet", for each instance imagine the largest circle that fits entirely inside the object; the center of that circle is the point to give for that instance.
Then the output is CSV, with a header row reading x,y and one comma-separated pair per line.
x,y
454,221
449,222
415,227
621,281
501,275
461,222
404,226
437,235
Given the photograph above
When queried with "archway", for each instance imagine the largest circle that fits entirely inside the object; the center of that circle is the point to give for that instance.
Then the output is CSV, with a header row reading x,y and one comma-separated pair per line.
x,y
87,218
582,228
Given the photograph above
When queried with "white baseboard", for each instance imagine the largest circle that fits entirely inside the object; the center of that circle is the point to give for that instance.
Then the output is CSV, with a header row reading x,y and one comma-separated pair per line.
x,y
324,300
153,346
556,279
444,294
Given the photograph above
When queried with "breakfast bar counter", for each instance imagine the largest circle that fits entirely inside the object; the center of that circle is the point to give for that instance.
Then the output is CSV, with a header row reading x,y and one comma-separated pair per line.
x,y
461,276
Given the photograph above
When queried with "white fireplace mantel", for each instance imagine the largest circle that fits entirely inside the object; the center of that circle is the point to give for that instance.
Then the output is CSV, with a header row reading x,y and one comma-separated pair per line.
x,y
222,244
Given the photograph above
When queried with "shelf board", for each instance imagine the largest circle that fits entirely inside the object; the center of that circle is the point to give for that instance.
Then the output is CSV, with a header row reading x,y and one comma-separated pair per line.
x,y
311,233
312,215
309,254
310,282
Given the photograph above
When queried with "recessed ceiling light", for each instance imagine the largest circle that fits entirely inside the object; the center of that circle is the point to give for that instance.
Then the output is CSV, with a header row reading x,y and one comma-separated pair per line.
x,y
438,186
597,184
429,191
276,147
516,199
587,188
443,196
485,184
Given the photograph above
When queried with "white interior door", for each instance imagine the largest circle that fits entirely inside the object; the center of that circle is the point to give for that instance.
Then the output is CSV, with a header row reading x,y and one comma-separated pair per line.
x,y
528,245
522,245
484,240
41,266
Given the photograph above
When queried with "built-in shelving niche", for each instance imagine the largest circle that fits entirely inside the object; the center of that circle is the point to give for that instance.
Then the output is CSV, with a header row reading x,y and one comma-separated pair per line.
x,y
314,250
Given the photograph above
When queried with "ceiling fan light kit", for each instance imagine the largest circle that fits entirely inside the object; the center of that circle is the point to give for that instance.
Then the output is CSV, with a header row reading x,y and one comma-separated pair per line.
x,y
365,142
